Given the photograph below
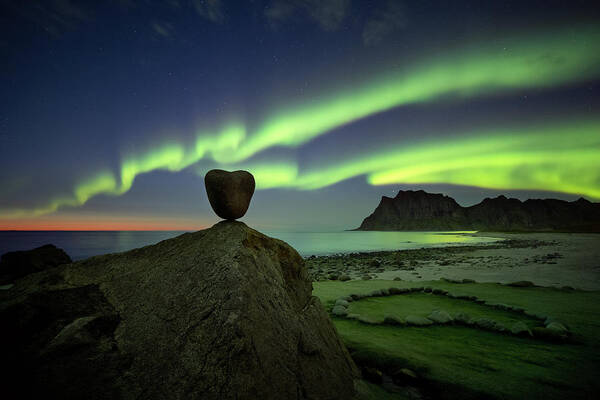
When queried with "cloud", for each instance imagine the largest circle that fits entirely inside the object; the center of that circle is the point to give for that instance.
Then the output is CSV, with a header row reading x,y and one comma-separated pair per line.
x,y
383,22
209,9
328,14
55,17
124,4
164,29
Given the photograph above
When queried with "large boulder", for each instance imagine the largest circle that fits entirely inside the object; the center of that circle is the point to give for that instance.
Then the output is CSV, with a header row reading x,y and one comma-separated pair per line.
x,y
222,313
17,264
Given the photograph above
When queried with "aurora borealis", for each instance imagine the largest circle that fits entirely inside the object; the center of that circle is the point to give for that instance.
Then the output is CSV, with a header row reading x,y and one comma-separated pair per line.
x,y
120,124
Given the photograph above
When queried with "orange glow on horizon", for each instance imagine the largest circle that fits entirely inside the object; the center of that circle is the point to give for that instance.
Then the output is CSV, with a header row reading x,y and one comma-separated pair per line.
x,y
102,224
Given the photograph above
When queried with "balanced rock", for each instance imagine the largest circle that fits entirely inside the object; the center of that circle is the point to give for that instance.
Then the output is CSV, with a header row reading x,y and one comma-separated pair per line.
x,y
223,313
17,264
229,193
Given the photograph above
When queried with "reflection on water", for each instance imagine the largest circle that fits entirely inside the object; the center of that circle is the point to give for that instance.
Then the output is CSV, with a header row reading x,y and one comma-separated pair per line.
x,y
81,245
321,243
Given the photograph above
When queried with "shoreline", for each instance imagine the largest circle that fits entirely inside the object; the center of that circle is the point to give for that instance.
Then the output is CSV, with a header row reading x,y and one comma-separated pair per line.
x,y
546,259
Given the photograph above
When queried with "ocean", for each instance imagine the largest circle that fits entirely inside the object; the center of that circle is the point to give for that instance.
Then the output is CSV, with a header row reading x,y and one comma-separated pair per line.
x,y
84,244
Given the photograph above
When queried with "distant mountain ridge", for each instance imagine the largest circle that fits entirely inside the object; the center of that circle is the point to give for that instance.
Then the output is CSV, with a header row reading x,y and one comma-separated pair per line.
x,y
422,211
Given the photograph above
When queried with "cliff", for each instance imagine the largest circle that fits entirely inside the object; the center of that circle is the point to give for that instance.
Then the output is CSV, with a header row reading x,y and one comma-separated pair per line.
x,y
422,211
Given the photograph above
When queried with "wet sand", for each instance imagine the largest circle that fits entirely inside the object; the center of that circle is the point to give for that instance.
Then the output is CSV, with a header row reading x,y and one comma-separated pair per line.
x,y
546,259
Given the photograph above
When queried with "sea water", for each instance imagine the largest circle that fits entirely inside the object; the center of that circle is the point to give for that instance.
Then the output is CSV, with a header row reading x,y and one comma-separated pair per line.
x,y
84,244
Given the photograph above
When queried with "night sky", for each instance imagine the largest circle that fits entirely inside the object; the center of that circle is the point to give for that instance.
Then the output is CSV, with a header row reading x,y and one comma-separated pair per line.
x,y
112,112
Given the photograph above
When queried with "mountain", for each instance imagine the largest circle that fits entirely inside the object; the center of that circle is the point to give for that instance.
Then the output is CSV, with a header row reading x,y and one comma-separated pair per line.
x,y
422,211
222,313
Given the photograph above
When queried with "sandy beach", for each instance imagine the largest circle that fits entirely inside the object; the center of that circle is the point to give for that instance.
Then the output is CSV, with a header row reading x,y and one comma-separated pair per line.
x,y
546,259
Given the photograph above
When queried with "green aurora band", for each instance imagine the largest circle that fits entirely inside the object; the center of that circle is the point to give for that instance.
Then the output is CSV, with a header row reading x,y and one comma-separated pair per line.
x,y
561,158
521,159
540,61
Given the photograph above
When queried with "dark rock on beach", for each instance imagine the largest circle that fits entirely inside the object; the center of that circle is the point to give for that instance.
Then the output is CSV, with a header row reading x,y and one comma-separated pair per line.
x,y
229,193
222,313
17,264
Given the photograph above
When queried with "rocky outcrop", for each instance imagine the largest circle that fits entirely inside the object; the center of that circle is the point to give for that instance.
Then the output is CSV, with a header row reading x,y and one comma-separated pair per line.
x,y
421,211
222,313
17,264
415,211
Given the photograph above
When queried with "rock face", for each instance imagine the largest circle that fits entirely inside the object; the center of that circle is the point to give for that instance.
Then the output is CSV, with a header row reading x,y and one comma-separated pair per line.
x,y
17,264
222,313
229,193
413,211
421,211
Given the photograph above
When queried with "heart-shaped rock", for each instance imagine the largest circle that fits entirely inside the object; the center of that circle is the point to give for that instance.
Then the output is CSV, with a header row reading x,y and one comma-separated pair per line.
x,y
229,193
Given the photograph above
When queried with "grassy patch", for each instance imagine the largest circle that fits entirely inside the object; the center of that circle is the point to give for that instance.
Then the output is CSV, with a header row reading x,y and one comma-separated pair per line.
x,y
460,362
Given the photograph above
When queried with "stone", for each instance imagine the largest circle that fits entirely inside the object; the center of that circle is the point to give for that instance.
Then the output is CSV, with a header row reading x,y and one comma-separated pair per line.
x,y
17,264
549,320
522,284
485,323
375,262
416,320
229,193
342,302
366,320
393,320
339,311
397,278
440,317
520,329
222,313
558,328
462,318
548,334
395,290
450,280
404,376
344,278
